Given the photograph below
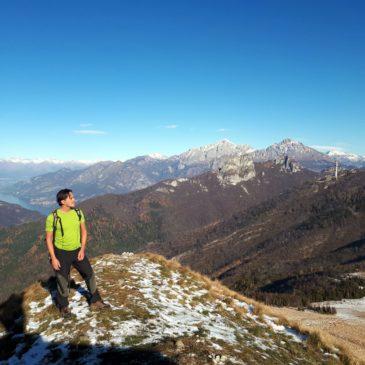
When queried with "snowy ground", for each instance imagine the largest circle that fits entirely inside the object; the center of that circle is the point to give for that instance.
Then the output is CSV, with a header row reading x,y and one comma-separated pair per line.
x,y
151,302
348,309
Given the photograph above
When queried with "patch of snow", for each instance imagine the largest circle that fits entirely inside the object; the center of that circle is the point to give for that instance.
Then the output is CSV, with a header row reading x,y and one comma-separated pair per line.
x,y
158,156
165,190
174,307
348,309
297,336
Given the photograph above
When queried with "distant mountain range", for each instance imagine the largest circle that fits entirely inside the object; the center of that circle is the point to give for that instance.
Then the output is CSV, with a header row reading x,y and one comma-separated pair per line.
x,y
121,177
291,249
273,229
140,172
308,157
15,169
347,159
164,212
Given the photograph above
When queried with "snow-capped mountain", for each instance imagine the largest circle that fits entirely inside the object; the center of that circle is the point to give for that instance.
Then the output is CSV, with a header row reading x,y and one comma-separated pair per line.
x,y
165,211
306,156
158,155
347,159
38,161
16,168
161,313
287,146
121,177
213,151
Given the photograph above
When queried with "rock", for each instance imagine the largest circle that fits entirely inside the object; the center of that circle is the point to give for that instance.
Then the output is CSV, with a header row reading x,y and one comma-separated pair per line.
x,y
179,345
235,169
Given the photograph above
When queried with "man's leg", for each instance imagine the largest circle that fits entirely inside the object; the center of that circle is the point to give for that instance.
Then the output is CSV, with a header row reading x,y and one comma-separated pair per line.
x,y
87,273
63,277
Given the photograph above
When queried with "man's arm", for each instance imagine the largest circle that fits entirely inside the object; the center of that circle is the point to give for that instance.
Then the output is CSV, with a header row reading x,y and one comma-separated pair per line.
x,y
49,239
81,254
83,235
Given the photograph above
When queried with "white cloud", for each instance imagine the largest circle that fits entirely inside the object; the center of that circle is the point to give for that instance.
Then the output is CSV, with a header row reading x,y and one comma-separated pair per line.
x,y
223,130
83,125
167,126
327,148
89,131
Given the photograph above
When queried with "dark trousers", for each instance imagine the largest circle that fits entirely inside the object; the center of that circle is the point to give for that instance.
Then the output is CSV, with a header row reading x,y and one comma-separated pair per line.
x,y
66,259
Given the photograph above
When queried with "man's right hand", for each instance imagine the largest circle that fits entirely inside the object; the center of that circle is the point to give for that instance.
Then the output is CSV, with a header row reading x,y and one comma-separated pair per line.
x,y
55,263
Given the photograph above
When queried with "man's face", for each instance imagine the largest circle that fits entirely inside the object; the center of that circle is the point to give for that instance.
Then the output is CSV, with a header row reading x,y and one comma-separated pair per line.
x,y
69,201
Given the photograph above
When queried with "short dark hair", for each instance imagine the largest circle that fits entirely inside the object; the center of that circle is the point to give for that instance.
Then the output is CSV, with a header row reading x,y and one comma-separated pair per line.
x,y
62,195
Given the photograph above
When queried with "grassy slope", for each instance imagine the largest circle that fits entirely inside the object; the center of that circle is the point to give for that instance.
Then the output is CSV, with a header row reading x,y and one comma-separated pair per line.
x,y
160,307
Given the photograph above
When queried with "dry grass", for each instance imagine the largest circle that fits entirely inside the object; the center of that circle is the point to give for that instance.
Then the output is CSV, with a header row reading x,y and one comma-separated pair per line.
x,y
316,337
336,336
216,290
35,292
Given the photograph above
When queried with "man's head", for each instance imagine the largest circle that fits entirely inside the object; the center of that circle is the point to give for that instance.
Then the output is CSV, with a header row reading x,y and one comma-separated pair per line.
x,y
66,197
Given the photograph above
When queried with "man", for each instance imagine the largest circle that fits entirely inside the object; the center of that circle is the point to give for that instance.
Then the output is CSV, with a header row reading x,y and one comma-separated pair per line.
x,y
66,242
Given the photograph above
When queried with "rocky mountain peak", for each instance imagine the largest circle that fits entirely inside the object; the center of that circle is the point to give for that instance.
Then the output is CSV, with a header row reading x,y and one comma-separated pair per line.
x,y
161,313
348,159
308,157
234,169
289,141
158,156
224,141
287,164
289,145
278,150
213,151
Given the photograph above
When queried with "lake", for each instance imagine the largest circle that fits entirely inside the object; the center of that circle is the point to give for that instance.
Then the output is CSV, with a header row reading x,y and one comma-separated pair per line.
x,y
14,200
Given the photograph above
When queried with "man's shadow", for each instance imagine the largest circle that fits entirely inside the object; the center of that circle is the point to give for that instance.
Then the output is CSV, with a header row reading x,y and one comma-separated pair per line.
x,y
16,344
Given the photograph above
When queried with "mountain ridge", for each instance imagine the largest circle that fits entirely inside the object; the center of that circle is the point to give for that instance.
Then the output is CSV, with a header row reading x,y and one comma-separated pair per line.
x,y
159,309
143,171
14,214
312,233
162,212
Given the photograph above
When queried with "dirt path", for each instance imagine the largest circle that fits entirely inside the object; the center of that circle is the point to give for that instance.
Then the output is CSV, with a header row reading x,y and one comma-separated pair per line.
x,y
349,334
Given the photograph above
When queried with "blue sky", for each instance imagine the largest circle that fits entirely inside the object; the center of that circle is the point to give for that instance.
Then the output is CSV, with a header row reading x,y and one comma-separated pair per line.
x,y
117,79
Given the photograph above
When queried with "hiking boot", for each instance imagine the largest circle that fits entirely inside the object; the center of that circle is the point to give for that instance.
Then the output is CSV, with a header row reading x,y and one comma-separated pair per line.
x,y
65,312
99,305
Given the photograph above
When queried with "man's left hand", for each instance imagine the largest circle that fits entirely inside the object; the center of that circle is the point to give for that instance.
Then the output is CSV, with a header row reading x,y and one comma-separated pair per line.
x,y
81,254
